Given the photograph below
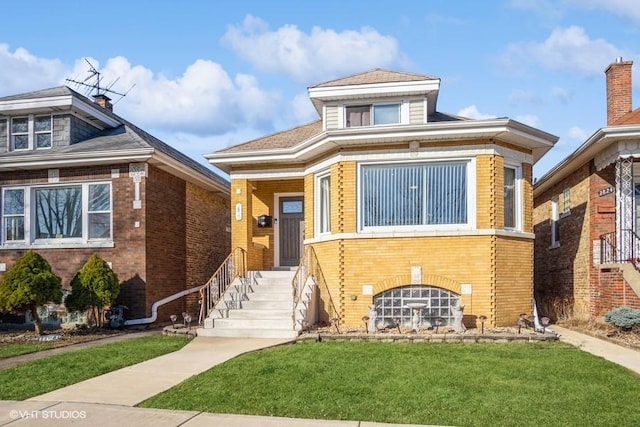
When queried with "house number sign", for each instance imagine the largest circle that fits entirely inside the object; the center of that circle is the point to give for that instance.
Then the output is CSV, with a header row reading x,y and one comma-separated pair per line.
x,y
605,191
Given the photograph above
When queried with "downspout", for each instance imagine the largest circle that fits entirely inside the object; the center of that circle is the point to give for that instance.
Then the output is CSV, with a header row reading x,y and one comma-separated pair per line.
x,y
155,305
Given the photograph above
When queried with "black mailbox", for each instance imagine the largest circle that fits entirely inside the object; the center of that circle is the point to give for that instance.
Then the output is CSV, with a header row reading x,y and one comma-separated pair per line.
x,y
265,221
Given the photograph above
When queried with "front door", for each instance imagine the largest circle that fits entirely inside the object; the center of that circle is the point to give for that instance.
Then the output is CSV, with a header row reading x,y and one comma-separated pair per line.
x,y
291,218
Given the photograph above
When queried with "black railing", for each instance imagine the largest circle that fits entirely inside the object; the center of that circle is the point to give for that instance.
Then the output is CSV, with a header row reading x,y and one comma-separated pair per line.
x,y
620,247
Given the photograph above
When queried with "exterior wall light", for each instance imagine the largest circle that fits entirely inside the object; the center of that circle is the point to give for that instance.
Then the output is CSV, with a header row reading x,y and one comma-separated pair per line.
x,y
482,320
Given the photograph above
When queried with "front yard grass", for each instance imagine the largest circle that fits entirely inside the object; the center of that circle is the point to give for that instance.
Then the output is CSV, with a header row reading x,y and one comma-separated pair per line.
x,y
42,376
17,349
444,384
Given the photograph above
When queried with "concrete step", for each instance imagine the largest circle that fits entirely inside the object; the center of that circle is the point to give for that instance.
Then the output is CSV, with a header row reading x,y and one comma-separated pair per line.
x,y
280,274
247,333
268,305
270,296
286,323
247,313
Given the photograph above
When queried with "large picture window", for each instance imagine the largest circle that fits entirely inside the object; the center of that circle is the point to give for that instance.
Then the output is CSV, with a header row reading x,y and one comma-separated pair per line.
x,y
414,194
78,212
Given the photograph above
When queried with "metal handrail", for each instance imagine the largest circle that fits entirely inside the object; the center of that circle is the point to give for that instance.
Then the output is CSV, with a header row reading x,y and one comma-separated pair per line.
x,y
620,248
310,267
235,265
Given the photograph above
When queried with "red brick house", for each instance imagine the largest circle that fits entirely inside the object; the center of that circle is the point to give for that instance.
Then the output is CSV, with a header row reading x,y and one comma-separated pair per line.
x,y
76,179
587,215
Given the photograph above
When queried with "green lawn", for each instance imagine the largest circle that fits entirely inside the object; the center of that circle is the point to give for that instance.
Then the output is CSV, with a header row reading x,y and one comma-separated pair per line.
x,y
41,376
445,384
16,349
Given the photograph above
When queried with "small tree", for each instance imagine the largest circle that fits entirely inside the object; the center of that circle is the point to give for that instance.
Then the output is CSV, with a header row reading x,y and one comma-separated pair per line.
x,y
28,284
92,288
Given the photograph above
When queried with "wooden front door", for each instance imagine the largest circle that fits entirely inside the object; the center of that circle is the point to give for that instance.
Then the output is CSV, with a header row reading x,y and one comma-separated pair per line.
x,y
290,221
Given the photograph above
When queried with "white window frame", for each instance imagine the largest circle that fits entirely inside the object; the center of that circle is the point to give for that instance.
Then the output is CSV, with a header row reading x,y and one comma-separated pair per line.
x,y
517,196
319,212
30,216
470,190
555,222
25,210
403,113
31,132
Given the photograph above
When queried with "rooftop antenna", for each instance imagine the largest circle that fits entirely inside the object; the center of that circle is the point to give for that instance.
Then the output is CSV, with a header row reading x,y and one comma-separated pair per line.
x,y
93,84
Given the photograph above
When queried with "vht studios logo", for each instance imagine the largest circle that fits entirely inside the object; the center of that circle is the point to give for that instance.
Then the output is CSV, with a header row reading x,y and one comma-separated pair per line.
x,y
48,415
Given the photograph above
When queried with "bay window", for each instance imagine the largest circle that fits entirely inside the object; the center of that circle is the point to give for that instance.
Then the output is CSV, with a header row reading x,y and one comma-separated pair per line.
x,y
61,213
397,195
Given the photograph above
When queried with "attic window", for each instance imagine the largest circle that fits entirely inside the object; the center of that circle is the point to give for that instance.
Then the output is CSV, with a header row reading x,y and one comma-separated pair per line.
x,y
380,114
31,132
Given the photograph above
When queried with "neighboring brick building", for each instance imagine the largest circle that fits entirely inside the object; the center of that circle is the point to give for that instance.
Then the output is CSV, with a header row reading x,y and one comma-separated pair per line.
x,y
76,179
401,203
587,215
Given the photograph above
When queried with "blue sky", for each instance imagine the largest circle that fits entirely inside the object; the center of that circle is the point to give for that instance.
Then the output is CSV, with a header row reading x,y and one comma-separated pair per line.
x,y
211,74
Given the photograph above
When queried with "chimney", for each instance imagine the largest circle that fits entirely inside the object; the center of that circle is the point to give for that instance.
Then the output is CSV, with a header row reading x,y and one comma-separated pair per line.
x,y
618,90
104,101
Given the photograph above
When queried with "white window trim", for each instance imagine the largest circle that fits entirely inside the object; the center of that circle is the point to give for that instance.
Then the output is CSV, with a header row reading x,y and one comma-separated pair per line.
x,y
518,196
31,132
29,209
317,206
471,199
566,210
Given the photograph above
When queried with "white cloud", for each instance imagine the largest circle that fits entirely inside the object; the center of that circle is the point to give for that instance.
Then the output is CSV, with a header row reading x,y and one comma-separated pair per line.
x,y
625,8
311,58
550,10
472,112
578,133
203,100
528,119
24,72
566,49
564,95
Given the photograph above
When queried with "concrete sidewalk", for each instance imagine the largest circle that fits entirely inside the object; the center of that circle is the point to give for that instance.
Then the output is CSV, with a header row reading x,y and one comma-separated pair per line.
x,y
623,356
134,384
54,414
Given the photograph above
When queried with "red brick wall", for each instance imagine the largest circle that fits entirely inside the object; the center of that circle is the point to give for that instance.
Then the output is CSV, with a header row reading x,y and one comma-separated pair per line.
x,y
208,238
128,254
611,291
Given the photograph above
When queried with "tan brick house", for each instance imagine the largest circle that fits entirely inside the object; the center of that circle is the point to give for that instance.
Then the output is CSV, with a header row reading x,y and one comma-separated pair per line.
x,y
77,179
395,202
587,216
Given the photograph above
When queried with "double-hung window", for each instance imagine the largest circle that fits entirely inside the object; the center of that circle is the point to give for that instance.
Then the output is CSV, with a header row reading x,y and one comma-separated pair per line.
x,y
421,194
31,132
372,115
76,213
323,203
510,198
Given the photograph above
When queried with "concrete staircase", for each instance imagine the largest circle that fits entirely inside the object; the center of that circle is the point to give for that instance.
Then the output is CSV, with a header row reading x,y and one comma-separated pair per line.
x,y
260,306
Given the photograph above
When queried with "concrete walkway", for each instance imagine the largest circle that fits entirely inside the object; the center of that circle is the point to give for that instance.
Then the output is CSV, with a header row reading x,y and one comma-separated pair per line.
x,y
627,357
134,384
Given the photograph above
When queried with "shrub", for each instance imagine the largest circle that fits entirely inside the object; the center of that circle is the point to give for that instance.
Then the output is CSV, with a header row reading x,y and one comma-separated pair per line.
x,y
92,288
30,283
623,317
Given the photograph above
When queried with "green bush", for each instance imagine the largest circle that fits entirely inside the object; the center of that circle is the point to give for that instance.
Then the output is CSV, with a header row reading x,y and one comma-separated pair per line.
x,y
30,283
92,288
623,317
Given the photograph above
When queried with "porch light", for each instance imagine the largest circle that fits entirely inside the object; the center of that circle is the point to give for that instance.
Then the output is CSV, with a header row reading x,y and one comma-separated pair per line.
x,y
482,320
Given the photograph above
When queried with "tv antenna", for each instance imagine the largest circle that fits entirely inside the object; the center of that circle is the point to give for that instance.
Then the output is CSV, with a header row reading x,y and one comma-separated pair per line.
x,y
93,84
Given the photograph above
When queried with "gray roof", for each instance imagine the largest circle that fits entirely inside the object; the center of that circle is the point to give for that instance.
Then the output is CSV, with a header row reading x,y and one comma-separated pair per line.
x,y
127,136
